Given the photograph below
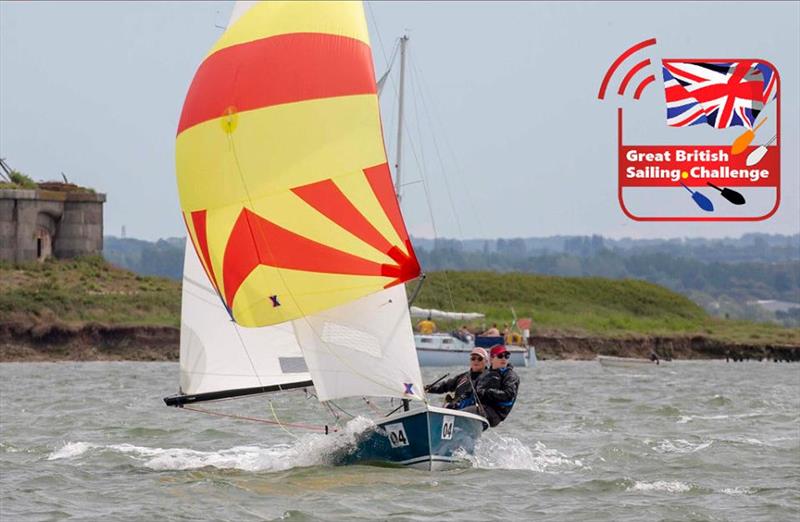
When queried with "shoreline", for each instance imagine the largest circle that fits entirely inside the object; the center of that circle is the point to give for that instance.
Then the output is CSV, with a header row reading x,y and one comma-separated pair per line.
x,y
97,342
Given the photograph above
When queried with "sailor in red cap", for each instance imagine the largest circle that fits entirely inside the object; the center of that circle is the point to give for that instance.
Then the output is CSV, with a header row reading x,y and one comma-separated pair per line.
x,y
497,388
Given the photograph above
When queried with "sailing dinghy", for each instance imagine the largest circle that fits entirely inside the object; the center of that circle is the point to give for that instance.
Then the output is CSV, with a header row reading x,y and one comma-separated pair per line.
x,y
297,252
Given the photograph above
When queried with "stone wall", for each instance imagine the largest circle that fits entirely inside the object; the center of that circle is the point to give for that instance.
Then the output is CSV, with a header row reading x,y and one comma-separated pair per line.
x,y
35,222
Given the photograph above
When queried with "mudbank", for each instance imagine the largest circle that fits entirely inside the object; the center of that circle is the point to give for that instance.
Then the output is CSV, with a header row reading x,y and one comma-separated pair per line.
x,y
91,342
97,342
666,347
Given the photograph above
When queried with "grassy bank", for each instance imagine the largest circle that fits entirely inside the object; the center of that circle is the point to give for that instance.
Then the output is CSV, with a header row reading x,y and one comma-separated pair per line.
x,y
91,290
588,306
86,290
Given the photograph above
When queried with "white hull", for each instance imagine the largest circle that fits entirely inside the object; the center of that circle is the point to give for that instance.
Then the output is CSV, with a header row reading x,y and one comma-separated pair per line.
x,y
624,362
446,350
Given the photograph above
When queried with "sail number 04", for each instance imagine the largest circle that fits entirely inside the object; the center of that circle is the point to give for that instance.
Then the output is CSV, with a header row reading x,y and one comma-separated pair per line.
x,y
397,435
447,427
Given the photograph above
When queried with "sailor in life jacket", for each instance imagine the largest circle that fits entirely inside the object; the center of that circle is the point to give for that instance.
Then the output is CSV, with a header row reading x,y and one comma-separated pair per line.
x,y
462,386
497,387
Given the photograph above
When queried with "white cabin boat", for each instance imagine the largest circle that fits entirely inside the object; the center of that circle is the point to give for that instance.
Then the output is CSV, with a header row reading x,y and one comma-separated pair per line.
x,y
444,349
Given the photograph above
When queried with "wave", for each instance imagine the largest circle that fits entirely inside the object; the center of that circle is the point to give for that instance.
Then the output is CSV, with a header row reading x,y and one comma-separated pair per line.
x,y
681,446
672,486
307,450
494,451
71,450
738,491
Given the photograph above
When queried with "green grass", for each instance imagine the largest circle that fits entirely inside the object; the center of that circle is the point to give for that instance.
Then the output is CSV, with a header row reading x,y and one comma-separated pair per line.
x,y
587,306
86,290
19,180
91,290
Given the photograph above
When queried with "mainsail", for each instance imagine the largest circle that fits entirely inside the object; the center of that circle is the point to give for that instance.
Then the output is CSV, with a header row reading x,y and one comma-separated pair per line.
x,y
288,200
220,358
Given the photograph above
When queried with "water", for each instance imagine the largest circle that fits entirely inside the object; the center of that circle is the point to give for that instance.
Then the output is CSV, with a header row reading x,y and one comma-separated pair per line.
x,y
688,441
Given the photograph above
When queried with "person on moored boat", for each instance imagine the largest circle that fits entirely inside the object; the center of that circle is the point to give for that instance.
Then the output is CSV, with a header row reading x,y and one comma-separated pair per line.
x,y
464,334
462,386
491,332
497,387
426,326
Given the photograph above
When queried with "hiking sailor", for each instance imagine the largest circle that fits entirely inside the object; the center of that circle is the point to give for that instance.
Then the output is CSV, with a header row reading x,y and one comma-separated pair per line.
x,y
497,388
462,386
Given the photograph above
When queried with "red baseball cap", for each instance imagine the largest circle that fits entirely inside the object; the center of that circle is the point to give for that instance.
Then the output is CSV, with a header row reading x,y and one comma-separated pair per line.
x,y
497,350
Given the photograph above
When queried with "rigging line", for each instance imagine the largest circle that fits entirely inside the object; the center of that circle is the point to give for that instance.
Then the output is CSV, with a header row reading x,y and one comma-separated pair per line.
x,y
251,419
430,213
332,412
416,87
380,41
324,403
342,409
426,94
275,416
416,84
424,179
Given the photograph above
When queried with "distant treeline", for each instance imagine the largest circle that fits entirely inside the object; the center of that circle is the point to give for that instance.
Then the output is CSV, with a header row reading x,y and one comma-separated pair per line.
x,y
767,248
722,275
163,258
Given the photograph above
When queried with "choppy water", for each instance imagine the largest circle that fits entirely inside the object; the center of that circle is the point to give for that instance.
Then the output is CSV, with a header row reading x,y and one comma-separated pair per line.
x,y
692,441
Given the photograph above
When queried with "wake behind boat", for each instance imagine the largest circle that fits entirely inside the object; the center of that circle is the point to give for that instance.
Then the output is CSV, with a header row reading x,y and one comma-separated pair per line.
x,y
297,253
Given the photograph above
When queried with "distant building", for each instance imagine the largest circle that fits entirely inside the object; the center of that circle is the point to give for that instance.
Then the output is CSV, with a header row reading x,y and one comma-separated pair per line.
x,y
56,219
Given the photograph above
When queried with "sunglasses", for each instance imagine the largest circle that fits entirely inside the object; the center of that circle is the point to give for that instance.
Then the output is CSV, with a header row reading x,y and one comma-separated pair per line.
x,y
504,355
475,358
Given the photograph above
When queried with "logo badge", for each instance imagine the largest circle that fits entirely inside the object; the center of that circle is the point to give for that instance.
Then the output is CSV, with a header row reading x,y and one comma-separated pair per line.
x,y
717,158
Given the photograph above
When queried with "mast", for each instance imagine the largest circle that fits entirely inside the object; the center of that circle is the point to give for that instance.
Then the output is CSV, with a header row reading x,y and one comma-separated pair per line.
x,y
403,43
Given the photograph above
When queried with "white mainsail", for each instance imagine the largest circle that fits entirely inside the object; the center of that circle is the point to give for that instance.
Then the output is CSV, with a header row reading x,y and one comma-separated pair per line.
x,y
217,355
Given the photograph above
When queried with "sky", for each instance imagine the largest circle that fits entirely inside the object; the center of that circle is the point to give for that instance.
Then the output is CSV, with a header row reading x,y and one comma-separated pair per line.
x,y
505,135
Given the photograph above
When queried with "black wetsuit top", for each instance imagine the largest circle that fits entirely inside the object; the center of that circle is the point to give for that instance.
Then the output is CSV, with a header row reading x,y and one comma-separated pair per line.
x,y
497,392
462,388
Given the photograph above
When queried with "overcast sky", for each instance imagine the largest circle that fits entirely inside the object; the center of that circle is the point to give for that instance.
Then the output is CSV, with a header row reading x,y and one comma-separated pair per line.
x,y
505,92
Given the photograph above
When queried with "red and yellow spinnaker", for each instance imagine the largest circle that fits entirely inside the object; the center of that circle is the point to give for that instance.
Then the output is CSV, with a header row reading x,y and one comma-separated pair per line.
x,y
281,166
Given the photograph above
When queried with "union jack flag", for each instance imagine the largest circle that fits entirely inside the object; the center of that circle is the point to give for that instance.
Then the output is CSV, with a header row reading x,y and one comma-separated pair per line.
x,y
720,94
